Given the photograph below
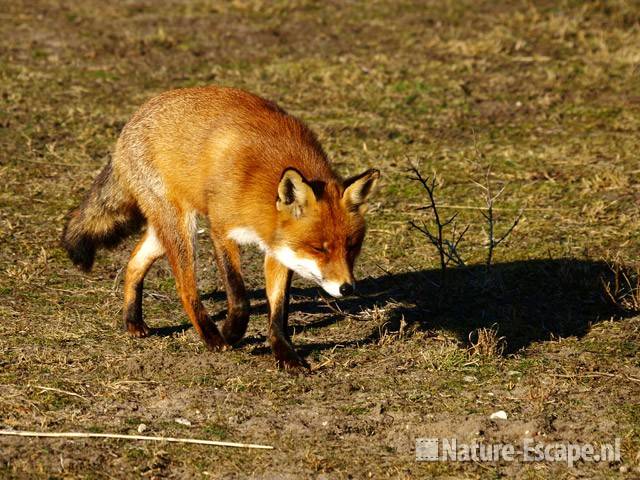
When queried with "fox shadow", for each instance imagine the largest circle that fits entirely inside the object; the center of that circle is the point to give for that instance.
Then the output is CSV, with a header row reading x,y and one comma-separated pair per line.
x,y
524,301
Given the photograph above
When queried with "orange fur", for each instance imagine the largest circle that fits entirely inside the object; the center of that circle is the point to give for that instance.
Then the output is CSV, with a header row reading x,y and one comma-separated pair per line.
x,y
257,173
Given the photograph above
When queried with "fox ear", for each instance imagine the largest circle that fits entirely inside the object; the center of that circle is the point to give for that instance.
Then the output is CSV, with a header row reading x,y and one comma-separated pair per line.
x,y
358,188
295,195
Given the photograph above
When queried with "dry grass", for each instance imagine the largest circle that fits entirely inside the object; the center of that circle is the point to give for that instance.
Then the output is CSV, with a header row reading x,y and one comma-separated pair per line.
x,y
547,91
485,342
623,290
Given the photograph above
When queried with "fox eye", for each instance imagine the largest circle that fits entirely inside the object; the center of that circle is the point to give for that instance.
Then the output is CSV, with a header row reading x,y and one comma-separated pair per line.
x,y
319,248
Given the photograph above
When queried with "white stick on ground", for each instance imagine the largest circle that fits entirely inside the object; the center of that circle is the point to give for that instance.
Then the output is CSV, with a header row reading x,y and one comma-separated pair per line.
x,y
23,433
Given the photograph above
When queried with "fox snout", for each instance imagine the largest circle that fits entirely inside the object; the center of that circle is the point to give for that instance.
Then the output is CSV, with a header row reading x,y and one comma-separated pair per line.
x,y
339,289
347,288
310,269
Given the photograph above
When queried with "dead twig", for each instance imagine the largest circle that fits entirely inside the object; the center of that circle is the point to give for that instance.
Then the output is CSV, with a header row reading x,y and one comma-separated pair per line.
x,y
597,375
58,390
24,433
330,305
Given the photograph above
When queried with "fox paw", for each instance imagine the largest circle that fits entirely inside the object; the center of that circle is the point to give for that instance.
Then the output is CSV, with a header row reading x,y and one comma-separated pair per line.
x,y
137,329
215,342
212,338
290,361
232,332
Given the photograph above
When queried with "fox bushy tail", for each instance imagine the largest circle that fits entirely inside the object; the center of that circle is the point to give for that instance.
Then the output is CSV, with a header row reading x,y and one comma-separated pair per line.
x,y
106,216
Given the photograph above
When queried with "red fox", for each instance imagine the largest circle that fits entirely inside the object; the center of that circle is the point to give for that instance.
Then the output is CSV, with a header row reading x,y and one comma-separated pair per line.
x,y
258,174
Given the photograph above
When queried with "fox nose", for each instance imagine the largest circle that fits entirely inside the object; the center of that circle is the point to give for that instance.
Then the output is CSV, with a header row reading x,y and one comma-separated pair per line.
x,y
346,289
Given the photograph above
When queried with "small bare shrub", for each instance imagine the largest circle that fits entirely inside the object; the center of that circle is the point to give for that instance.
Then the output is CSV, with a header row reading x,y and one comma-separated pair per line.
x,y
442,233
490,197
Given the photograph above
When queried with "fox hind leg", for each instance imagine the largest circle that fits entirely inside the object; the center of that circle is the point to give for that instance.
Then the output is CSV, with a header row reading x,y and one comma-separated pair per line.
x,y
178,233
147,251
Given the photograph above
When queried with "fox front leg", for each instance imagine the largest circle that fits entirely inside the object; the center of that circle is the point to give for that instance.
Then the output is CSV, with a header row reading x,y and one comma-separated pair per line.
x,y
278,281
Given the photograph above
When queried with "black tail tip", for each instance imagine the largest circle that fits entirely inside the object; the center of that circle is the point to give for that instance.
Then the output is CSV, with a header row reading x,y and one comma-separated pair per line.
x,y
81,251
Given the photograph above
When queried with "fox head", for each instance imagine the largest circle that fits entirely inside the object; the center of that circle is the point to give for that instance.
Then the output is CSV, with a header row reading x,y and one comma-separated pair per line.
x,y
322,226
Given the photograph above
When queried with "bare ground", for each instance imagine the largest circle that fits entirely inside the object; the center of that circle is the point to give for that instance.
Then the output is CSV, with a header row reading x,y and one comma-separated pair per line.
x,y
546,93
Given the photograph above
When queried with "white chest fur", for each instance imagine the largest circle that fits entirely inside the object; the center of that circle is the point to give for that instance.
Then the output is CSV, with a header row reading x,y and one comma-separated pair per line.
x,y
247,236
